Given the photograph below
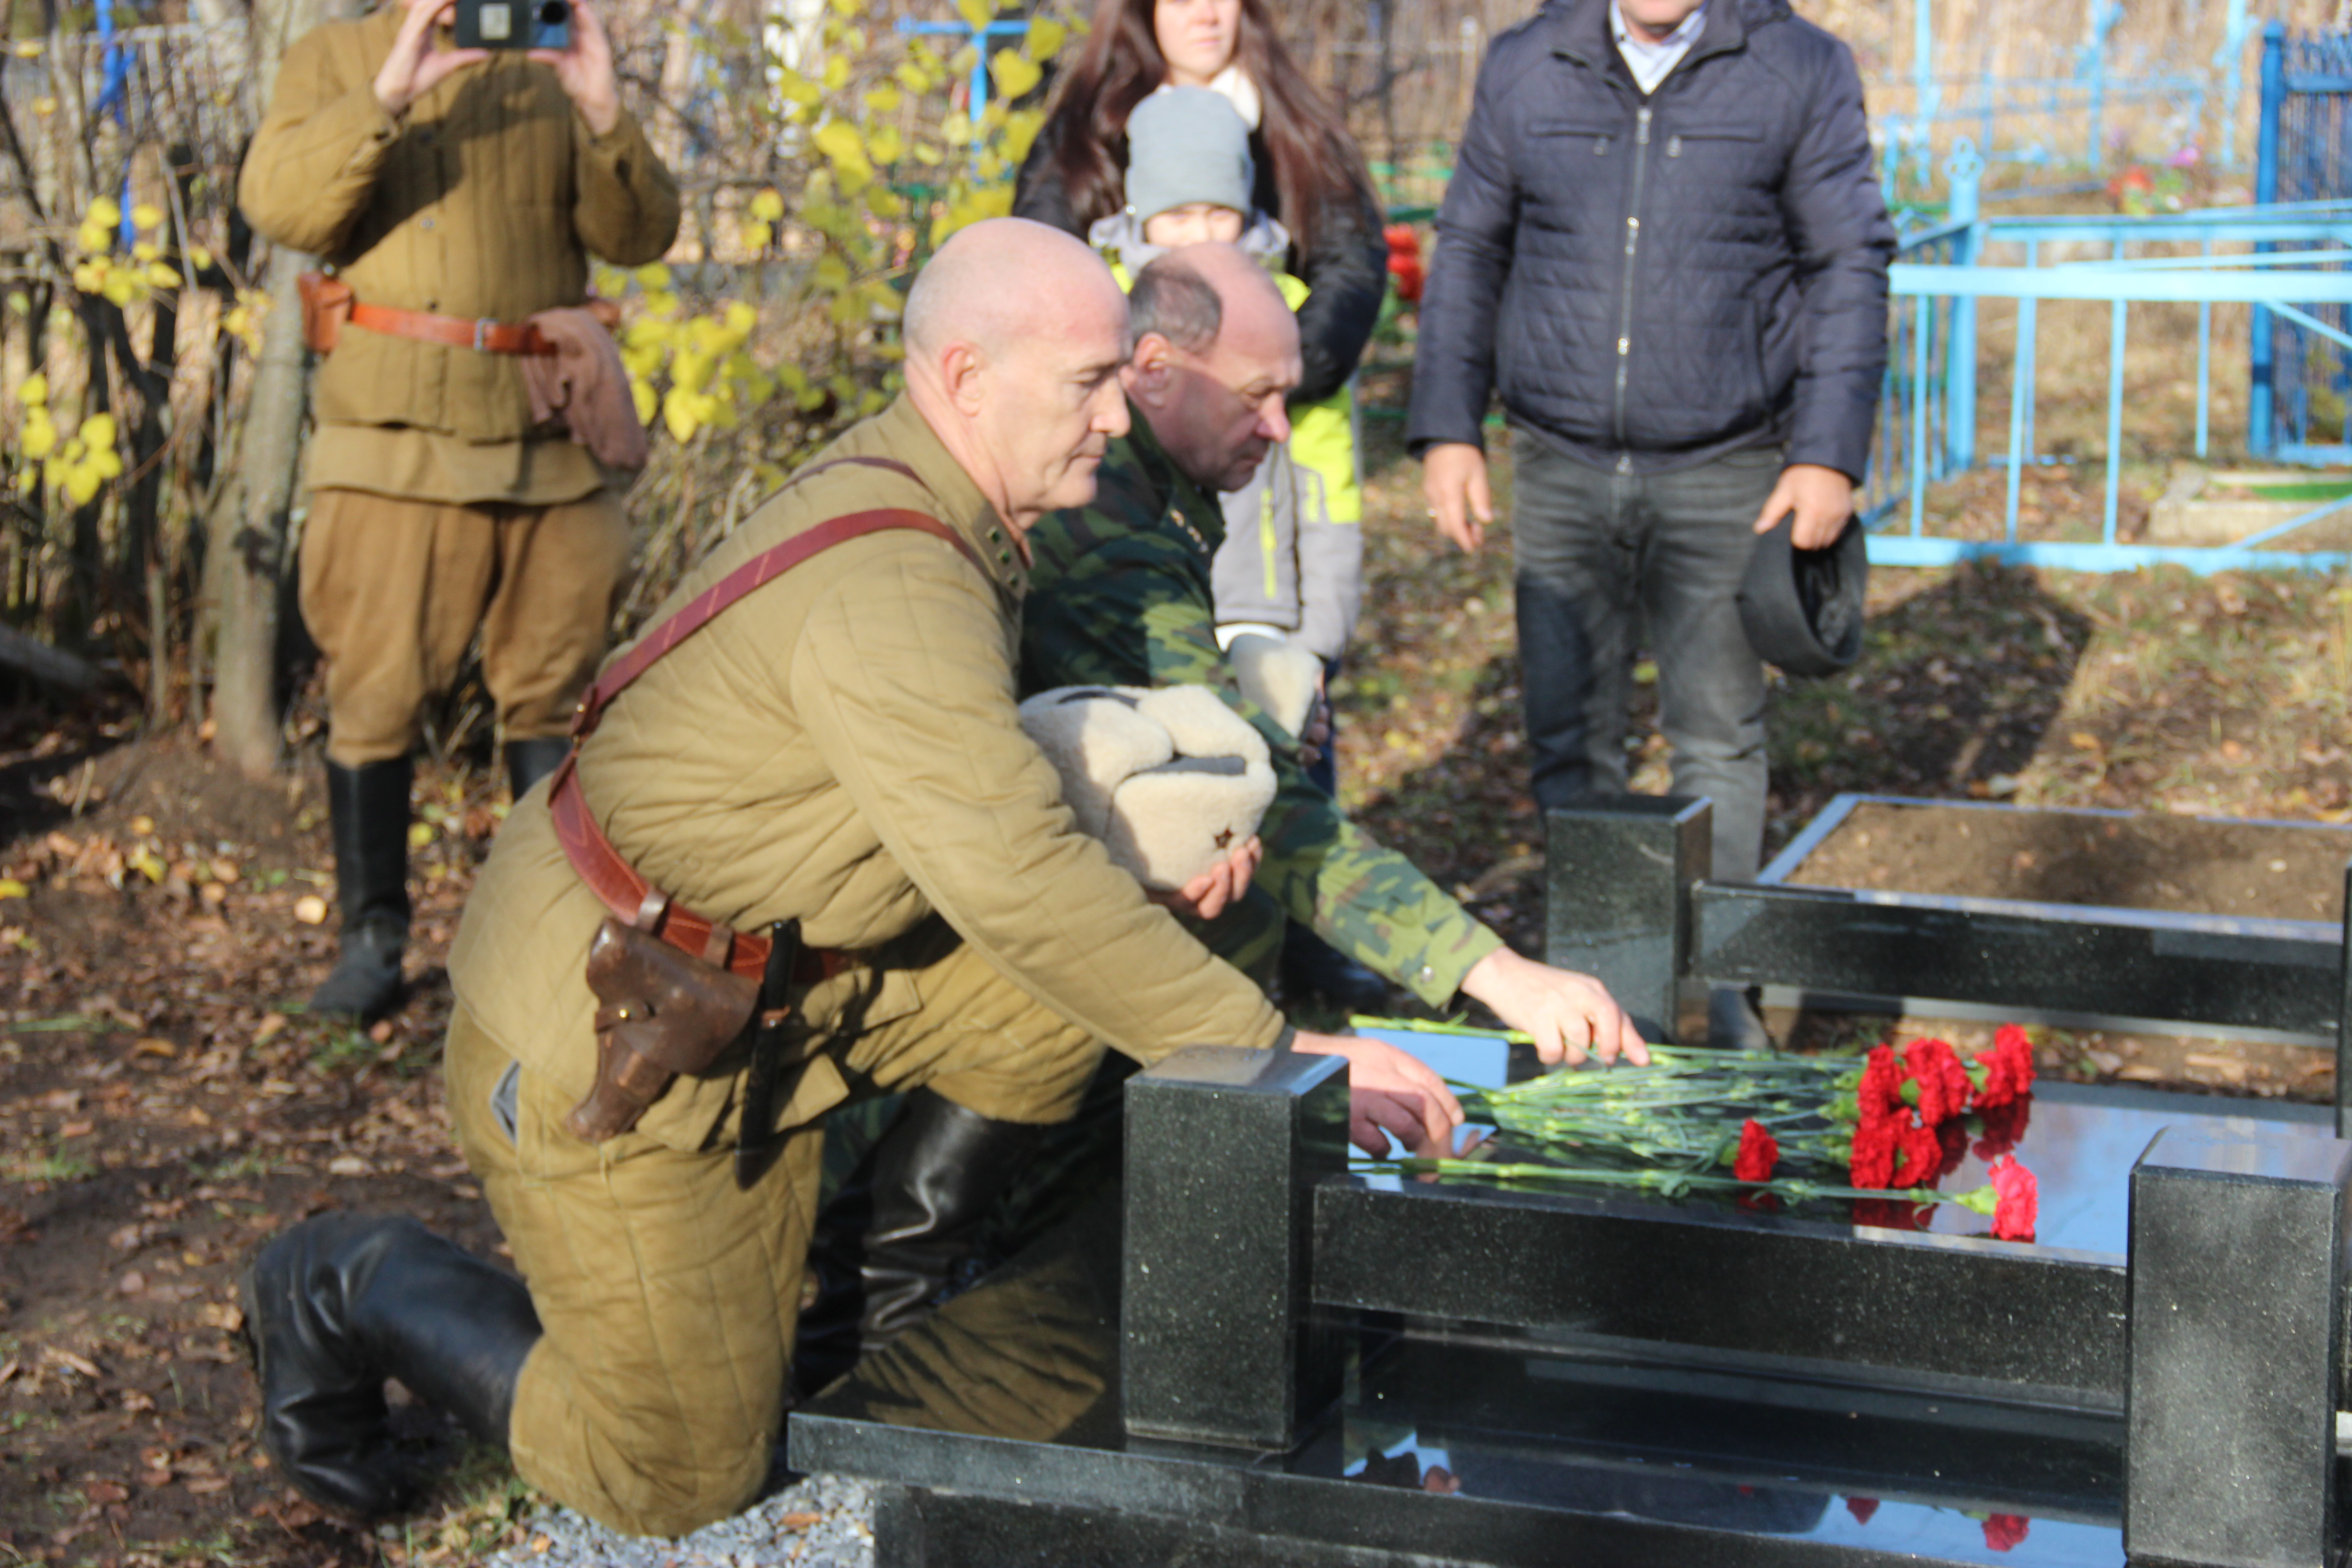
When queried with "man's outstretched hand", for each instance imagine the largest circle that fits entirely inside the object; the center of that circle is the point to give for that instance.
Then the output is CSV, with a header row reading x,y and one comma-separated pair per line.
x,y
1822,497
1390,1090
1568,1015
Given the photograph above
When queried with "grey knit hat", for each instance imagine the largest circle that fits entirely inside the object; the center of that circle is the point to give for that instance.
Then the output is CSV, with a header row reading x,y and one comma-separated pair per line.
x,y
1187,144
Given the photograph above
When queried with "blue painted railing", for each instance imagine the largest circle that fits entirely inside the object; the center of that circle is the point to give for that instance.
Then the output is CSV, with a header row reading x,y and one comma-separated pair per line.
x,y
1928,420
2301,405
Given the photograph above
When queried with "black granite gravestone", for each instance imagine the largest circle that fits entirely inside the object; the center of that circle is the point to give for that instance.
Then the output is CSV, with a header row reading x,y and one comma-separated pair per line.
x,y
1223,1152
1624,869
2237,1348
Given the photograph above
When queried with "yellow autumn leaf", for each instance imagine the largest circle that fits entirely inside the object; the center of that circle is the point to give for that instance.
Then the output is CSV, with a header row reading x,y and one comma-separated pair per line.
x,y
756,236
91,237
678,416
1044,39
98,430
147,863
648,402
886,146
654,275
978,14
1015,74
36,389
40,437
200,258
120,289
162,275
913,78
12,888
768,206
838,140
81,485
884,99
830,274
143,216
836,73
145,250
105,211
1021,128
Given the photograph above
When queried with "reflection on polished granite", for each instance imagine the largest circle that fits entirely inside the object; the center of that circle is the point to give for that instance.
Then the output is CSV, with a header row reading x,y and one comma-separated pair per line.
x,y
1481,1453
2080,1142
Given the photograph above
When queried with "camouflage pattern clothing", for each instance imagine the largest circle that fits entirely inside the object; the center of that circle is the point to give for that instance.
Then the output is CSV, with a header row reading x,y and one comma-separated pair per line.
x,y
1120,594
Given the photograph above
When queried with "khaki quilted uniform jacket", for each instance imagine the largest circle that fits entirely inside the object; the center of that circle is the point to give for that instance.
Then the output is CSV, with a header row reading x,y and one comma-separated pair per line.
x,y
842,747
484,198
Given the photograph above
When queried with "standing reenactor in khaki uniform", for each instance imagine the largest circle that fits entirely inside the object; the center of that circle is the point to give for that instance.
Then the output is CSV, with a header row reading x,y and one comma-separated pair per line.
x,y
837,763
456,194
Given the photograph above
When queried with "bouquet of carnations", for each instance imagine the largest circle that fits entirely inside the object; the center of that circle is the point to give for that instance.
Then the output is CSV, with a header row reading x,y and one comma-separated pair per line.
x,y
1892,1124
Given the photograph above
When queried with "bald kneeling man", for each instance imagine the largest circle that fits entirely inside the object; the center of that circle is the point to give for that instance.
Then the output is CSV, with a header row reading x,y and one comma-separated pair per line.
x,y
843,752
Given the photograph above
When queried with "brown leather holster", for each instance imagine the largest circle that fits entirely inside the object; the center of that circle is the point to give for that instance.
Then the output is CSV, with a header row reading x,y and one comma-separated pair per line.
x,y
326,306
661,1012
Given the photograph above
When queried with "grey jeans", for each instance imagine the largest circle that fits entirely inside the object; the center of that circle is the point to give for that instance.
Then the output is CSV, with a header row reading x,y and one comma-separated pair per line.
x,y
1603,556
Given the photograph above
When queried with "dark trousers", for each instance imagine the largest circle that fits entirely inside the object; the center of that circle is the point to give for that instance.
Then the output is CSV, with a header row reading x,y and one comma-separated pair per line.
x,y
1604,556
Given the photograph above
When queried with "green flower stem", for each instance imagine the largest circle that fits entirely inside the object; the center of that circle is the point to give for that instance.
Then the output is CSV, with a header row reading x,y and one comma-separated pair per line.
x,y
1795,1189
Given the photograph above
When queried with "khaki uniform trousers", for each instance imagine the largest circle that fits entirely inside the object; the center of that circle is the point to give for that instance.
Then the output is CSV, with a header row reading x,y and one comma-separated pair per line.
x,y
392,590
667,1295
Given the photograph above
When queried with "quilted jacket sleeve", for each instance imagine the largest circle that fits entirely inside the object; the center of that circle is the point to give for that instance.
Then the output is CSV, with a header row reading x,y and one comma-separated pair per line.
x,y
1453,364
1844,242
907,697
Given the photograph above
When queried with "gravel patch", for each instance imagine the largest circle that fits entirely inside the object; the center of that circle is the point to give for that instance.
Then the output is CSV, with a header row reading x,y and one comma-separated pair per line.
x,y
819,1521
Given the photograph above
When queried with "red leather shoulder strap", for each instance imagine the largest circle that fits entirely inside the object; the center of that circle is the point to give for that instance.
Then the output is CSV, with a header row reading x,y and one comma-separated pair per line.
x,y
759,570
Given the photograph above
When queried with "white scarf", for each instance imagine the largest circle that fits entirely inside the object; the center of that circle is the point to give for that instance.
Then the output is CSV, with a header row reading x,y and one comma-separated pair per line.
x,y
1237,90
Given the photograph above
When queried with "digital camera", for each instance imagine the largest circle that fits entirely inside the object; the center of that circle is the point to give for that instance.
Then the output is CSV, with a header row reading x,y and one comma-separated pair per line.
x,y
513,24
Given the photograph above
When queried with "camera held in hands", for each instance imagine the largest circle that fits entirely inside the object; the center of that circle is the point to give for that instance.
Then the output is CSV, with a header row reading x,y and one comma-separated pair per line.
x,y
513,24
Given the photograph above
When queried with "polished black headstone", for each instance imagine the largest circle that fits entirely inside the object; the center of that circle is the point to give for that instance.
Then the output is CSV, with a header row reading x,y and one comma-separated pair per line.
x,y
1222,1343
1618,873
2236,1347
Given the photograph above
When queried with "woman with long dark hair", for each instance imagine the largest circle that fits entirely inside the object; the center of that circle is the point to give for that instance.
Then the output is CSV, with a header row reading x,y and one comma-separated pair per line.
x,y
1310,174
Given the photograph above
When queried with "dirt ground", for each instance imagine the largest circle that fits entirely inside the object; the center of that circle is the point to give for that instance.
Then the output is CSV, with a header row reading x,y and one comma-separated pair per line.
x,y
164,1104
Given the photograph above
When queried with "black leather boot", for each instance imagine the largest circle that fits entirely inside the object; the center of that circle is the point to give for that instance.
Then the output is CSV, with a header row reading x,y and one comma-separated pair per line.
x,y
528,761
368,805
893,1238
338,1303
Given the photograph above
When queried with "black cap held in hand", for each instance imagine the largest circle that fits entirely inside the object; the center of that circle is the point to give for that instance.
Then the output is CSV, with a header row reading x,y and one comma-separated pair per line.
x,y
1802,609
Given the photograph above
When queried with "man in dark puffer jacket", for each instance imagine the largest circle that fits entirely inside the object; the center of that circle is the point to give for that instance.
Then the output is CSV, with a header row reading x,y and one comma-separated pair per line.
x,y
1663,244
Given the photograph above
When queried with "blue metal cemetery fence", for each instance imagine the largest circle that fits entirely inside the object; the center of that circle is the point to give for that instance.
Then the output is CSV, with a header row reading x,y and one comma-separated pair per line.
x,y
2300,409
2061,118
2282,261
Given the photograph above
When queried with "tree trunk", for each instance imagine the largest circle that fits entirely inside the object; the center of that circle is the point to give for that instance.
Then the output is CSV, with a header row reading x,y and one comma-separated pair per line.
x,y
247,532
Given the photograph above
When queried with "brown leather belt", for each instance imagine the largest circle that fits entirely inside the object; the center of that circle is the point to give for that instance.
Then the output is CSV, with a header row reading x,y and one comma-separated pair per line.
x,y
612,880
616,884
481,334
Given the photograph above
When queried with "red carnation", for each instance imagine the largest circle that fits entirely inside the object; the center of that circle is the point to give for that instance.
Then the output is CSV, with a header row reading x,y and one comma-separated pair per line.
x,y
2003,1531
1881,1091
1862,1508
1873,1159
1944,1085
2009,1068
2018,1206
1758,1149
1920,1156
1404,260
